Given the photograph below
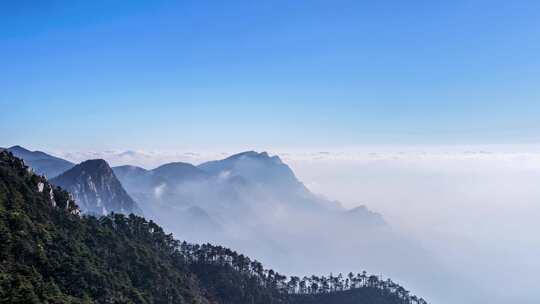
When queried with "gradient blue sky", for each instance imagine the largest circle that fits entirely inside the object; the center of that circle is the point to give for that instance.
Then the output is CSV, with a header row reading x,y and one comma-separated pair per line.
x,y
188,74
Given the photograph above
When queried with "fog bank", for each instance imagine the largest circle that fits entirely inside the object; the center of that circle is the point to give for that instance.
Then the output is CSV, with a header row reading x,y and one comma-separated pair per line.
x,y
473,209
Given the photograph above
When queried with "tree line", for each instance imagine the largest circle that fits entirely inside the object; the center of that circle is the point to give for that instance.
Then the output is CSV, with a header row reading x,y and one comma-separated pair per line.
x,y
201,255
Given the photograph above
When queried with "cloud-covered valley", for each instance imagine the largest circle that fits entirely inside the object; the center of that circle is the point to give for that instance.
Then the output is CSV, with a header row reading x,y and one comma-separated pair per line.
x,y
473,209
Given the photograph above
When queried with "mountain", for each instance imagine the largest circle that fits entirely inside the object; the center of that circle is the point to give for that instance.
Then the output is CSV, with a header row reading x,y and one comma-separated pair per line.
x,y
50,254
256,167
239,180
96,188
253,201
42,163
231,193
268,175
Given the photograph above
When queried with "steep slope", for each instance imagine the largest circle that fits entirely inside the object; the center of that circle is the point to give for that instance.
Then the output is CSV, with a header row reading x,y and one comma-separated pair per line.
x,y
96,188
50,254
42,163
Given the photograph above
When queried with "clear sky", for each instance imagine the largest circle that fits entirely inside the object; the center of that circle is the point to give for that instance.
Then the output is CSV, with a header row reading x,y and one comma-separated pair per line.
x,y
188,74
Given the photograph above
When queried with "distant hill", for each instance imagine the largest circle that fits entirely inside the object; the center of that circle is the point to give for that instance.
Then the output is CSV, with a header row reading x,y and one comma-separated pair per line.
x,y
42,163
96,188
50,254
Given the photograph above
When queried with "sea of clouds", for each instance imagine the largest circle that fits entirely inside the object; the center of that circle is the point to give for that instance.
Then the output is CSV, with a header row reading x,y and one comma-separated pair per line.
x,y
474,208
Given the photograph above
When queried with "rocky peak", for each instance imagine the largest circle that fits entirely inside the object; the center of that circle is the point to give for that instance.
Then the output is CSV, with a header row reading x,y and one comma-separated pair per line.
x,y
96,188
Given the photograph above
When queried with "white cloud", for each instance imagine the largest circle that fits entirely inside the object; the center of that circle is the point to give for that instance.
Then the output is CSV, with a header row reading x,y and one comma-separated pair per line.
x,y
472,206
505,155
158,191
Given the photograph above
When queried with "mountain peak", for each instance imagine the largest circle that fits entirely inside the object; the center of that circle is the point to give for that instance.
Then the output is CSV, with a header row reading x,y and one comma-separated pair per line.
x,y
96,188
94,167
175,165
250,154
259,168
18,148
254,155
95,163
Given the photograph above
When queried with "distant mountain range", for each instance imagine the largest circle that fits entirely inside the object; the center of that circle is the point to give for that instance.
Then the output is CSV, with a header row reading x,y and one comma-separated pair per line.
x,y
199,199
236,187
248,175
42,163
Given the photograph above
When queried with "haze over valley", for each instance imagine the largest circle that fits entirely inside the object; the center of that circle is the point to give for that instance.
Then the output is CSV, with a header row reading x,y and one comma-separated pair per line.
x,y
259,203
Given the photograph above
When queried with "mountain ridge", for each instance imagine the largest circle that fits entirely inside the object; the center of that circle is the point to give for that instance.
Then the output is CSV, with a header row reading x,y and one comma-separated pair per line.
x,y
41,162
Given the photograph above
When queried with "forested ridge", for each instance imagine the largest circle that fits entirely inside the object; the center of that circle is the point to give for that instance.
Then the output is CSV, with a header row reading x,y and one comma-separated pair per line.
x,y
50,254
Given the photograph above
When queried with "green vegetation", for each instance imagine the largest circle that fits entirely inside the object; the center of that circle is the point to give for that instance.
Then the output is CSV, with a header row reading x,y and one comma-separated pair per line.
x,y
49,254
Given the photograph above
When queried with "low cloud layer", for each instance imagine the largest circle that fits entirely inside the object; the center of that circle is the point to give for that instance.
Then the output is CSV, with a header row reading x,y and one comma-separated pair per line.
x,y
505,155
475,208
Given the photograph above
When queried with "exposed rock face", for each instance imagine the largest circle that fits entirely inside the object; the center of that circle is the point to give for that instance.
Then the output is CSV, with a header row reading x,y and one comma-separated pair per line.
x,y
96,189
54,195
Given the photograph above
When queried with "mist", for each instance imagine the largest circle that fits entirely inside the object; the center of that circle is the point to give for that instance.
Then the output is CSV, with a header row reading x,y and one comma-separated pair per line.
x,y
461,221
474,209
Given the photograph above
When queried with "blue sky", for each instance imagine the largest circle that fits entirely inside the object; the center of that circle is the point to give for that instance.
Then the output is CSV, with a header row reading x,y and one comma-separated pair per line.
x,y
225,74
